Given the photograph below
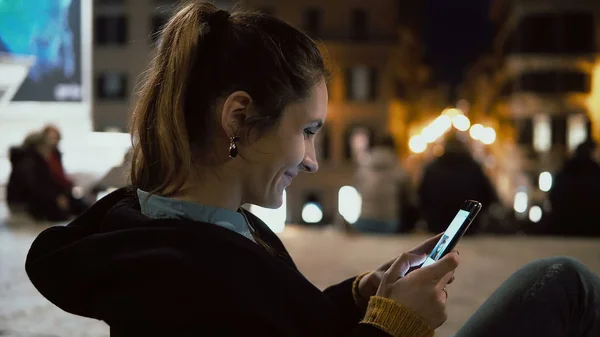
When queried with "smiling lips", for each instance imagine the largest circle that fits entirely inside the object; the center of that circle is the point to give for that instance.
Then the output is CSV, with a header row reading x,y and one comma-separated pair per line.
x,y
289,176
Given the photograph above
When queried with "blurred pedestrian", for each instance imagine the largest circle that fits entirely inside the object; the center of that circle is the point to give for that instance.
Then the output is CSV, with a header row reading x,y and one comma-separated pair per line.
x,y
575,195
382,185
38,184
448,181
226,116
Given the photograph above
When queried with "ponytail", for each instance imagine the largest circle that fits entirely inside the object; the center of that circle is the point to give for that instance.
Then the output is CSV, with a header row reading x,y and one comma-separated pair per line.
x,y
161,161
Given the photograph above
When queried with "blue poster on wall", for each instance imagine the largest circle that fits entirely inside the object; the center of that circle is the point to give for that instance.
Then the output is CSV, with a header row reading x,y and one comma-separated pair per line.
x,y
50,31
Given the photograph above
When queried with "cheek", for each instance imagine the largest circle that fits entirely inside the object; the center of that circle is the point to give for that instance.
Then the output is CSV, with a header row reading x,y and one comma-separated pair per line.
x,y
295,151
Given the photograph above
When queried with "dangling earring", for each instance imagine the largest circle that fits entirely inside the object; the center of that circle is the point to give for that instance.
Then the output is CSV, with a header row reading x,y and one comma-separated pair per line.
x,y
233,149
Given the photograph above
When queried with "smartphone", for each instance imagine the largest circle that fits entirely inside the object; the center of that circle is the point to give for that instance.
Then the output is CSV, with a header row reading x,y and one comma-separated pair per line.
x,y
463,219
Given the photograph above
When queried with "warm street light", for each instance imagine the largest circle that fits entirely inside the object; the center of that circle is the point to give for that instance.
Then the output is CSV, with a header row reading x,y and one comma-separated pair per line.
x,y
417,144
488,136
461,122
476,131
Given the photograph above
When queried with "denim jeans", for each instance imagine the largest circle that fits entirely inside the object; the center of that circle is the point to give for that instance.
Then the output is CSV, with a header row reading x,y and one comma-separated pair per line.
x,y
555,297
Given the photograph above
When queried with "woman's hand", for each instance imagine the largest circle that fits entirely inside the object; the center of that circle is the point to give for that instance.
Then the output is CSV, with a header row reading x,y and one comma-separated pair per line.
x,y
423,290
368,285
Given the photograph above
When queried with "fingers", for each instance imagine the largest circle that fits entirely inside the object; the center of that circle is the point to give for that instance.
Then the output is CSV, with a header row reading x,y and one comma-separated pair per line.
x,y
451,279
445,280
401,265
442,267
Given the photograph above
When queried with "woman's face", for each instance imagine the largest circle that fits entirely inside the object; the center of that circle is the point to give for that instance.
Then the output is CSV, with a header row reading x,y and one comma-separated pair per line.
x,y
275,159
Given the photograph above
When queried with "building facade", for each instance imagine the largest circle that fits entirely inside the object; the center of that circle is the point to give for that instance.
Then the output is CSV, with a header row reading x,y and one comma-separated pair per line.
x,y
539,86
371,48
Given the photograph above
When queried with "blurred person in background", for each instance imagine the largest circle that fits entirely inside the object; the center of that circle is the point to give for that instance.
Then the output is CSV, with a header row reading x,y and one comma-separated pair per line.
x,y
227,115
448,181
382,184
575,195
38,184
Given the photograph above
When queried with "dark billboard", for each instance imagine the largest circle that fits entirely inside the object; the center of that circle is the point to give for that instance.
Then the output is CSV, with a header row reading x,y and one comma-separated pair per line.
x,y
49,30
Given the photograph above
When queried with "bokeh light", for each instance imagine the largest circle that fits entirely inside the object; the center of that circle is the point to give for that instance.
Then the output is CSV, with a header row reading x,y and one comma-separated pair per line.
x,y
417,144
535,214
349,203
476,131
488,136
545,181
461,122
521,202
312,213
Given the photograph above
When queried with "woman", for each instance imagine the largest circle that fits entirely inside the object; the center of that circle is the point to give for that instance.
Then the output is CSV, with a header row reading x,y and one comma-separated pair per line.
x,y
38,184
227,116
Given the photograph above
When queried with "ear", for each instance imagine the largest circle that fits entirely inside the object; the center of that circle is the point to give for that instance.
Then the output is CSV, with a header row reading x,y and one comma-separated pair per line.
x,y
235,110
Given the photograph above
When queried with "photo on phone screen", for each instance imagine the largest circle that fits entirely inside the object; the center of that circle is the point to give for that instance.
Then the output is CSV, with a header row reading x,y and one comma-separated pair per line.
x,y
454,232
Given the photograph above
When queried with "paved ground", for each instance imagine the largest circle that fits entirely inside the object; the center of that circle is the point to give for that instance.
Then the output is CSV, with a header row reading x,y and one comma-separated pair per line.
x,y
325,256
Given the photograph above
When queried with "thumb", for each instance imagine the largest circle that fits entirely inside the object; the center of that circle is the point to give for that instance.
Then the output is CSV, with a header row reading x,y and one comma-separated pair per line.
x,y
442,267
401,266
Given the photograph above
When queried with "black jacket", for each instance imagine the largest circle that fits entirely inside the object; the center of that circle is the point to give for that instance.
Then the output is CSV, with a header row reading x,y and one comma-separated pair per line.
x,y
575,197
447,182
30,181
156,277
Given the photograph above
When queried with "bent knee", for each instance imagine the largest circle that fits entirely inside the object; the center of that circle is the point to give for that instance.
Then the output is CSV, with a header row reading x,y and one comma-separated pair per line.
x,y
564,264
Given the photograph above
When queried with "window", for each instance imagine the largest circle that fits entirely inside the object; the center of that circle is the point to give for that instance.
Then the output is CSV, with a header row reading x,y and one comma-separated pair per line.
x,y
359,140
542,133
577,33
549,82
558,33
110,29
361,83
359,24
312,21
578,130
111,86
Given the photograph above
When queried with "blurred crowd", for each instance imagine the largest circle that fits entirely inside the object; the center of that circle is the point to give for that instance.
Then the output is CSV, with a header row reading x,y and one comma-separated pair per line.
x,y
392,202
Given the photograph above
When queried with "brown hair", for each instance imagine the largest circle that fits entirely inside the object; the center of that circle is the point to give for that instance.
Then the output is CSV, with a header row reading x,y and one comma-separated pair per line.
x,y
205,54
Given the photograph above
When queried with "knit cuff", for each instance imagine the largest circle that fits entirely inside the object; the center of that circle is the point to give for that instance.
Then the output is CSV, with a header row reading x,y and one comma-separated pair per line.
x,y
355,293
395,319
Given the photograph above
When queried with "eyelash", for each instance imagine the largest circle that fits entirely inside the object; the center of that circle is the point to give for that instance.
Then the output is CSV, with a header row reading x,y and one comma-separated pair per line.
x,y
308,133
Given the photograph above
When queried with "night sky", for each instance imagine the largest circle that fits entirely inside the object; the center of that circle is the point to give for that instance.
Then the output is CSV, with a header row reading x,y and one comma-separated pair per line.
x,y
455,32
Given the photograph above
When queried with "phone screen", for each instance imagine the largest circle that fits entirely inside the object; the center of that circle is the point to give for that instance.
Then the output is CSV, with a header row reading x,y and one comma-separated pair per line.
x,y
440,248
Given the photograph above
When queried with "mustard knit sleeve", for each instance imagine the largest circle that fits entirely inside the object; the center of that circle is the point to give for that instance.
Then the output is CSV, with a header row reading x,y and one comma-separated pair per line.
x,y
395,319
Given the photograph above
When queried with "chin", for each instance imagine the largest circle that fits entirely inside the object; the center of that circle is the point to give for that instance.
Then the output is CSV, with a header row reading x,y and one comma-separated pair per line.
x,y
274,203
271,201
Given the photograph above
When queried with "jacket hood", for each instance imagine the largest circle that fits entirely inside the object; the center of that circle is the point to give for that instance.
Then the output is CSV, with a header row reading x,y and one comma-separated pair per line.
x,y
16,154
114,264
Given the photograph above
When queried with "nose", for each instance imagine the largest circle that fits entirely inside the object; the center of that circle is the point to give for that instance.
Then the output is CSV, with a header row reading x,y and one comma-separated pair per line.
x,y
309,163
